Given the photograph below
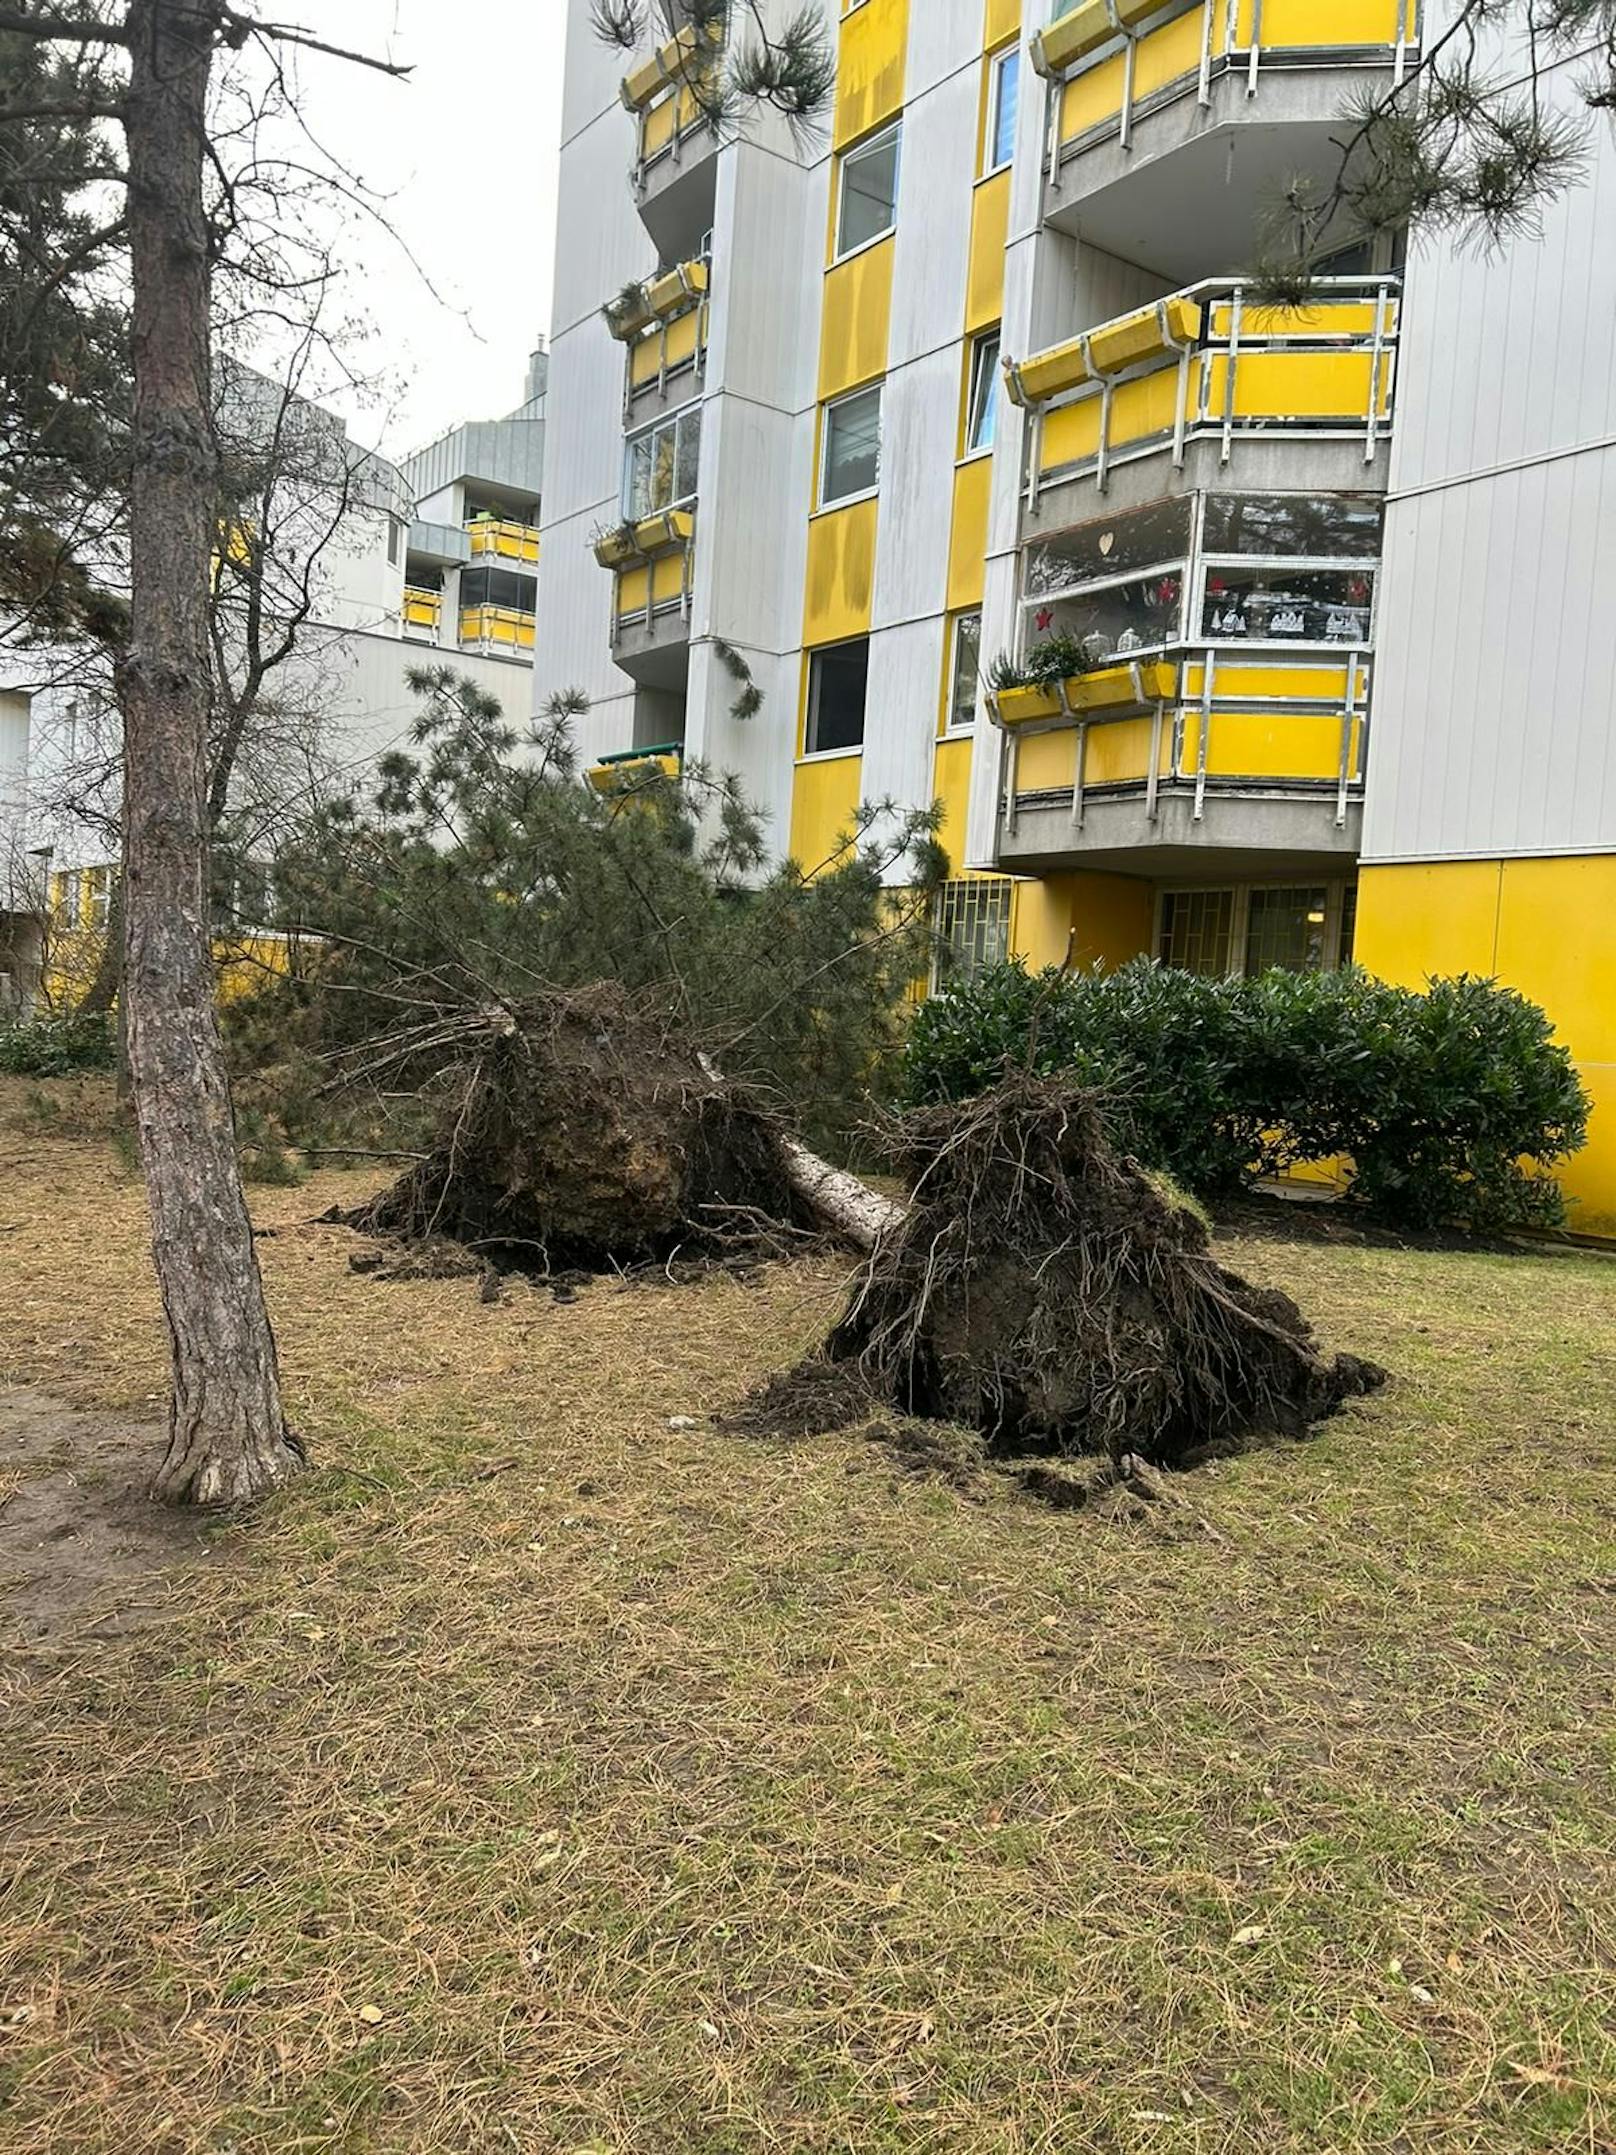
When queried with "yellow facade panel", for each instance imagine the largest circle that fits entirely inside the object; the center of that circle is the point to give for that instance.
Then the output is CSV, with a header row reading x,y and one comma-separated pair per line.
x,y
870,68
1100,919
1264,745
968,539
841,574
1001,19
1545,927
951,784
856,320
824,799
667,582
990,226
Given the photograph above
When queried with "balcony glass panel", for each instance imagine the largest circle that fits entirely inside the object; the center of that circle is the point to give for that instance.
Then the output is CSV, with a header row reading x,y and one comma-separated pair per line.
x,y
1322,526
1284,604
1108,546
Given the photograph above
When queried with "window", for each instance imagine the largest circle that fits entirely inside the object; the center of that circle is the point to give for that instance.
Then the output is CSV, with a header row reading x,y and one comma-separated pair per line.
x,y
966,661
498,587
660,466
852,456
838,679
395,540
973,927
1004,88
1282,604
1134,539
98,896
1196,927
1256,927
983,414
1285,928
868,206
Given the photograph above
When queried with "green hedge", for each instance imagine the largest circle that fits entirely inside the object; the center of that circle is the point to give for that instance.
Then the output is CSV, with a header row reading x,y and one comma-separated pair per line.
x,y
1451,1105
55,1047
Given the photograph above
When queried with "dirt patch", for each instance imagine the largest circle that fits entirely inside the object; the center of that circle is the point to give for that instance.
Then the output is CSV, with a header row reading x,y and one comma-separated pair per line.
x,y
84,1553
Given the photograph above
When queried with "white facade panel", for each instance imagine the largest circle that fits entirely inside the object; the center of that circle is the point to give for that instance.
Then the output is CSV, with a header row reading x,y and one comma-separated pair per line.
x,y
919,432
937,165
900,729
1495,688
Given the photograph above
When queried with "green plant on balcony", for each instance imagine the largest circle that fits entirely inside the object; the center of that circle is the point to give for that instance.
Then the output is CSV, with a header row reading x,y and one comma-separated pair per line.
x,y
1056,658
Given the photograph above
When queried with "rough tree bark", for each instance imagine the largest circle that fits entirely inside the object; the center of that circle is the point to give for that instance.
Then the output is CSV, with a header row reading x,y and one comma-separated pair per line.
x,y
228,1439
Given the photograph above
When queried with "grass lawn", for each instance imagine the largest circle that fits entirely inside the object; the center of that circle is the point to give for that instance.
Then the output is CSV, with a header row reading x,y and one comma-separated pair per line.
x,y
663,1791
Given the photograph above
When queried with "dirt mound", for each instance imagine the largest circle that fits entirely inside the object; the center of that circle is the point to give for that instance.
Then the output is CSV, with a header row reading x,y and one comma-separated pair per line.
x,y
1044,1292
586,1131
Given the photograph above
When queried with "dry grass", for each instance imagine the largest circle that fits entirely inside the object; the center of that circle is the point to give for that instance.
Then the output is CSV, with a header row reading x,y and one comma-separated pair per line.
x,y
670,1793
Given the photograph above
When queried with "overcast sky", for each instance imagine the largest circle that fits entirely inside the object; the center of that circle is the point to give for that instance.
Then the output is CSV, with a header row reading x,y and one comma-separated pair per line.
x,y
466,149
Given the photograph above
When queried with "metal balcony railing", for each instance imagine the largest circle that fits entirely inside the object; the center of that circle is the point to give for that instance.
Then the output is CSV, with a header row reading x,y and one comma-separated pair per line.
x,y
423,610
505,541
495,628
1196,722
1215,361
1111,62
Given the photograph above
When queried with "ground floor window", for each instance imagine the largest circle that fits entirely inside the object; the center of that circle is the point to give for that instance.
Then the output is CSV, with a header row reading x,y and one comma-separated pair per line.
x,y
1255,927
973,927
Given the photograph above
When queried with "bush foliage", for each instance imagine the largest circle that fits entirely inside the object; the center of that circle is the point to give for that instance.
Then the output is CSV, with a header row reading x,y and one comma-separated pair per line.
x,y
1450,1106
57,1046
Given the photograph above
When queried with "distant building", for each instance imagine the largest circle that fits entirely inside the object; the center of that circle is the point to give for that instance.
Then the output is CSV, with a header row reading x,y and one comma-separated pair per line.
x,y
400,566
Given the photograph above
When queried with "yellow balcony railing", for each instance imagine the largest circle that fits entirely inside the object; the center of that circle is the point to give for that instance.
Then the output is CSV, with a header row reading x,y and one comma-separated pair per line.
x,y
503,541
1219,361
423,609
654,561
495,628
1197,724
1114,60
632,768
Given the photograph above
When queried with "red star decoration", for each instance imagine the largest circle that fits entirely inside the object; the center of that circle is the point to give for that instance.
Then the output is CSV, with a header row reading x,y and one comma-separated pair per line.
x,y
1044,619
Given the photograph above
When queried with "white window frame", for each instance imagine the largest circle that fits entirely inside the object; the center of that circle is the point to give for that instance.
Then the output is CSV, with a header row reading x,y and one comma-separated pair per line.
x,y
998,65
882,136
834,404
979,346
816,659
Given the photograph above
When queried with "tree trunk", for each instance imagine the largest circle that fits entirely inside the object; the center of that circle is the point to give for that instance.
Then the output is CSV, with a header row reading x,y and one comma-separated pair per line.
x,y
228,1439
845,1204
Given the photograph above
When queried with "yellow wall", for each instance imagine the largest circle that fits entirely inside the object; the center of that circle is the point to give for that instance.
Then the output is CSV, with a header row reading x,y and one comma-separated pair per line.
x,y
1546,927
870,68
1114,916
951,784
841,573
968,539
856,320
990,228
823,802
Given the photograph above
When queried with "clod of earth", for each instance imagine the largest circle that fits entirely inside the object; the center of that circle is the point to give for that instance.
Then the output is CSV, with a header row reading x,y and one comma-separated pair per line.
x,y
586,1131
1044,1292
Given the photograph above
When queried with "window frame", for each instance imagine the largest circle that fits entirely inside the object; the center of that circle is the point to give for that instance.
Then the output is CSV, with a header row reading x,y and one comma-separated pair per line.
x,y
892,132
663,423
1340,911
810,716
1000,64
961,729
985,340
823,500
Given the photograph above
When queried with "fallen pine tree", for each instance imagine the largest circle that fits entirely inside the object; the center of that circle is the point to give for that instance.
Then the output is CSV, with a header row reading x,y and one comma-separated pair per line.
x,y
1036,1288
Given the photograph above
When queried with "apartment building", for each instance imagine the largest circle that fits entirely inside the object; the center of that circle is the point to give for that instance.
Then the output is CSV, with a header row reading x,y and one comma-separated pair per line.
x,y
1226,632
385,568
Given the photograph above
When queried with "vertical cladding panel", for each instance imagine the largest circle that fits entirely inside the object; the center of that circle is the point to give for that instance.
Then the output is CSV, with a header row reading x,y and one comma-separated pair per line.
x,y
934,218
600,241
968,532
990,219
840,575
1000,19
900,733
944,36
572,635
1495,696
919,428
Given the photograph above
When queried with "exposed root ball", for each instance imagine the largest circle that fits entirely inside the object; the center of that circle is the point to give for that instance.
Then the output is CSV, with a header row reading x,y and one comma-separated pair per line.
x,y
1043,1292
586,1132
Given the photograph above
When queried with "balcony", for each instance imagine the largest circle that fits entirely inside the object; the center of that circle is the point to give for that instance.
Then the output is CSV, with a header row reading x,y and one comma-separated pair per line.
x,y
501,540
664,324
653,562
1146,103
423,613
634,769
1220,376
1114,62
674,96
1259,758
496,630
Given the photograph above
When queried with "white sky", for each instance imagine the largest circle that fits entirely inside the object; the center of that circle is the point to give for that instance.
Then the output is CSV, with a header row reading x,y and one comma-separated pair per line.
x,y
466,150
